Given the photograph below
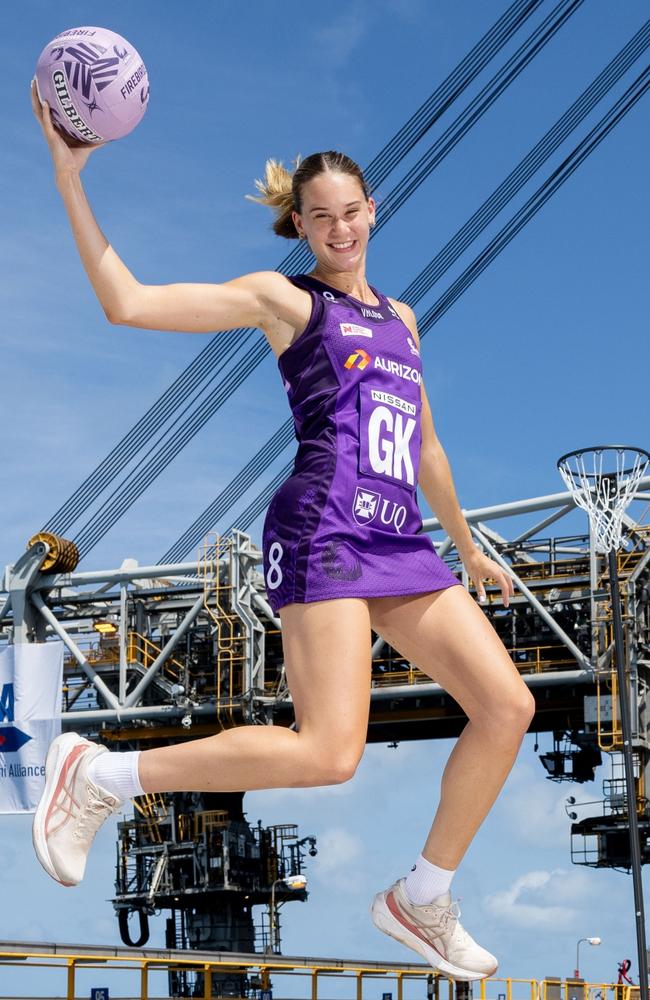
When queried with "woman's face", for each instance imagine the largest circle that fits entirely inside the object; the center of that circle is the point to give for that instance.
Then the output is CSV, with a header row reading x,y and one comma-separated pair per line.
x,y
336,219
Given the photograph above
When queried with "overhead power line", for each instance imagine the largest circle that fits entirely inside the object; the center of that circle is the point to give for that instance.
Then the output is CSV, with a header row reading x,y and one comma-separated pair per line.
x,y
633,94
134,485
493,249
505,191
490,208
221,348
527,211
232,492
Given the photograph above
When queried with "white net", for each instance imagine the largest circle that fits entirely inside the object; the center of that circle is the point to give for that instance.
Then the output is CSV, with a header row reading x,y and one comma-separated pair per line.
x,y
603,482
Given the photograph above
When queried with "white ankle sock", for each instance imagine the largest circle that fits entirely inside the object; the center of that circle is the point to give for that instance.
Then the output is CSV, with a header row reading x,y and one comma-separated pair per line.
x,y
117,772
425,881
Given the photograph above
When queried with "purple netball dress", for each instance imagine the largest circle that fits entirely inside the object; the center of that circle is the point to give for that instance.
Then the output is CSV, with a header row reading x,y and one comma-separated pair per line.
x,y
346,523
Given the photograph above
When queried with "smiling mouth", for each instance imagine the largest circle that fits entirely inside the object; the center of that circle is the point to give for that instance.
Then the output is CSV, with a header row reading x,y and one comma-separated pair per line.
x,y
343,247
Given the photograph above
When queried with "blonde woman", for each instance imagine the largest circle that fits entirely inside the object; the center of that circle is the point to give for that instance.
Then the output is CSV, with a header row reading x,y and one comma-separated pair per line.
x,y
343,552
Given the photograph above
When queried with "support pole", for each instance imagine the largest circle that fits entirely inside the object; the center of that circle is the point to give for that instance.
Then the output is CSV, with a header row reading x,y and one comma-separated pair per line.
x,y
71,978
207,981
630,786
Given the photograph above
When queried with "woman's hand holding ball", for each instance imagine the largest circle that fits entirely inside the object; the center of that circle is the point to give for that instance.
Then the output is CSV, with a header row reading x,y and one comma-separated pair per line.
x,y
69,155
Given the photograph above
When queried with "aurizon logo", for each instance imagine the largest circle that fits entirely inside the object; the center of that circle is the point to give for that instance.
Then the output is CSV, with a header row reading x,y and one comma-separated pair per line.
x,y
359,358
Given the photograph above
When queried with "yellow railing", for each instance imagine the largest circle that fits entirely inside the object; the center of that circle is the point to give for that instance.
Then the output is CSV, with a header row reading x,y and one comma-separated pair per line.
x,y
561,573
535,662
153,808
144,651
218,604
104,651
212,819
143,964
628,560
610,735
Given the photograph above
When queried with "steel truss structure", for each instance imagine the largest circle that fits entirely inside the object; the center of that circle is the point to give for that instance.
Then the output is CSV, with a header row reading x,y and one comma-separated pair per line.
x,y
156,622
158,654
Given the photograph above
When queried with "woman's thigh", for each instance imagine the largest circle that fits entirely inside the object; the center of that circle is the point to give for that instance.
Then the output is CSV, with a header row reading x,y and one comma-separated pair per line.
x,y
446,635
327,658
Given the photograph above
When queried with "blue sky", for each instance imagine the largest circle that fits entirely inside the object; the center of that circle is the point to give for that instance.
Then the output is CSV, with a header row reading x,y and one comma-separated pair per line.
x,y
518,372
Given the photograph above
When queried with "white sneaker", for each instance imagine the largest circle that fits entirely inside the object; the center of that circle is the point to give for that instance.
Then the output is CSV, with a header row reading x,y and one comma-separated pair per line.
x,y
433,930
71,808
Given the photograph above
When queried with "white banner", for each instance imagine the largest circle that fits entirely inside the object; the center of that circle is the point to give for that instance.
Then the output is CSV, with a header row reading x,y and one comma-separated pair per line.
x,y
31,677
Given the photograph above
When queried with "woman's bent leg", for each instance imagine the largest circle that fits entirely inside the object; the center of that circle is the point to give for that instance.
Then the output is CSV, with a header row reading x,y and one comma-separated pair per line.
x,y
327,661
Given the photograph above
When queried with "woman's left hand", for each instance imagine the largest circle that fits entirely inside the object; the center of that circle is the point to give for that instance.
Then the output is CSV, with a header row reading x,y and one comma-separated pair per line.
x,y
480,567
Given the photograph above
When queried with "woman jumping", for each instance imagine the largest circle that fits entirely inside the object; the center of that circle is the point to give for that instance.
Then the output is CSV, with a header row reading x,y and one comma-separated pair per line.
x,y
343,552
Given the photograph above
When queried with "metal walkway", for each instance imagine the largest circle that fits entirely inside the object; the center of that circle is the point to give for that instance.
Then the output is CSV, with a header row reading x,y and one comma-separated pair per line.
x,y
68,959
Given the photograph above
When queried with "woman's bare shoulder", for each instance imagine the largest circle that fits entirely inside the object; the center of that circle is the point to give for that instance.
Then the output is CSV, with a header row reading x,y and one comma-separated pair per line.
x,y
285,308
407,316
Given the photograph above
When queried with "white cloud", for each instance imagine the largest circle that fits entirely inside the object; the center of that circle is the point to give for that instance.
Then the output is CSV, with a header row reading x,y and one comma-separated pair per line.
x,y
340,35
534,807
337,849
411,11
339,864
543,900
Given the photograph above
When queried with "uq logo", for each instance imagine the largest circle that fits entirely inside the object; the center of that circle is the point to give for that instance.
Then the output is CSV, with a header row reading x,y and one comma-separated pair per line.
x,y
367,504
390,444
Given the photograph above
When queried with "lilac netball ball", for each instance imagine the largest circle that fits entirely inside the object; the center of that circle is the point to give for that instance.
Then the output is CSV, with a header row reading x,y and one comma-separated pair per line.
x,y
95,83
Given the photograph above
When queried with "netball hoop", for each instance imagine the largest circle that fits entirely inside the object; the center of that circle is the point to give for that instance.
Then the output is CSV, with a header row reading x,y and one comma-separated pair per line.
x,y
603,481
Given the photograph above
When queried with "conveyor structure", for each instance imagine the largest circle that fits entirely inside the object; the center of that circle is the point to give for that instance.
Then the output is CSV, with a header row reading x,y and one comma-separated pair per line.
x,y
161,654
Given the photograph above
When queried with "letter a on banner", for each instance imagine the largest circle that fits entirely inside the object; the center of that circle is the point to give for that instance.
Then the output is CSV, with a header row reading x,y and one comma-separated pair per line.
x,y
31,676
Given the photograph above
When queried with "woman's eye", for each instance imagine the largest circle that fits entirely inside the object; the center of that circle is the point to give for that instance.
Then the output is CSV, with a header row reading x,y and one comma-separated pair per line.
x,y
351,211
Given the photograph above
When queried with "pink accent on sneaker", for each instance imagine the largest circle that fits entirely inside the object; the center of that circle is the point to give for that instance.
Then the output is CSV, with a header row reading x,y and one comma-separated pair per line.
x,y
434,931
394,908
70,760
71,808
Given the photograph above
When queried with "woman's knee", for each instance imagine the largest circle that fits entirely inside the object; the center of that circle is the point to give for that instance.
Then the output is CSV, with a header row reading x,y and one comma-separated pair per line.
x,y
509,711
330,766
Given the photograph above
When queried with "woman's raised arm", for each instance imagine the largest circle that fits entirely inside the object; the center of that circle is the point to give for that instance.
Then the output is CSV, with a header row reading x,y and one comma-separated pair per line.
x,y
191,308
197,308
